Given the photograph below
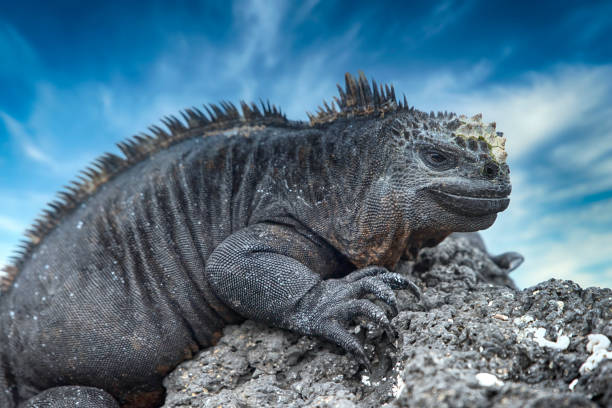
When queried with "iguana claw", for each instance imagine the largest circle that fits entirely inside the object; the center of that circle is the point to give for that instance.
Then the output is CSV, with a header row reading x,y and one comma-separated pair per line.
x,y
335,301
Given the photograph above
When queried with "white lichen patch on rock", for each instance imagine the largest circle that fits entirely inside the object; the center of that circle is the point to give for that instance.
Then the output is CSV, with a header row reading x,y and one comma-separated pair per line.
x,y
598,345
488,380
398,387
562,342
475,128
539,333
365,380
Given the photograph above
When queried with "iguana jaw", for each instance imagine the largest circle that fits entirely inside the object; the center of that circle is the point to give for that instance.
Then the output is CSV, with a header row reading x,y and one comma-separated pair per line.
x,y
471,203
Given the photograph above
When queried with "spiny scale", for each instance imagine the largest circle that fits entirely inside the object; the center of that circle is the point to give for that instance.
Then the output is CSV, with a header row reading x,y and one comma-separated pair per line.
x,y
358,99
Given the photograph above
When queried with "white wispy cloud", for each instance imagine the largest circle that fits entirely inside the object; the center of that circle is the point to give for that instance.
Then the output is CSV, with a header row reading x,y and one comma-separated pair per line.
x,y
443,14
260,21
25,142
305,10
588,21
39,137
18,57
578,255
11,225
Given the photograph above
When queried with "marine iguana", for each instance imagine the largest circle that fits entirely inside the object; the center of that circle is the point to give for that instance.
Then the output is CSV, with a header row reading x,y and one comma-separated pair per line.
x,y
224,216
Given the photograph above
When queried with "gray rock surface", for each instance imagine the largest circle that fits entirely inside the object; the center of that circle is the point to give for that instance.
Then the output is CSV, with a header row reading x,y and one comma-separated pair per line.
x,y
473,341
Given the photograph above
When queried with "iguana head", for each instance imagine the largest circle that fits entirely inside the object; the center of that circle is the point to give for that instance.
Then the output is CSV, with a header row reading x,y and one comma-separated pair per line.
x,y
427,174
449,172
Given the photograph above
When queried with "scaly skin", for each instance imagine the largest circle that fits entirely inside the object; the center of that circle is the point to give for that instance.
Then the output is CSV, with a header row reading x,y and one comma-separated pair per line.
x,y
287,224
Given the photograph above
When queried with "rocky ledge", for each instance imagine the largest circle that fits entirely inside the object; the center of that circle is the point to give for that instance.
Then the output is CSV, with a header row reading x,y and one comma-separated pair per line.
x,y
472,341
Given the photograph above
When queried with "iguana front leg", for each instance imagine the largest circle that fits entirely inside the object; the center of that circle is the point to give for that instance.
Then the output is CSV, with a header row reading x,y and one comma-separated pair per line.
x,y
267,272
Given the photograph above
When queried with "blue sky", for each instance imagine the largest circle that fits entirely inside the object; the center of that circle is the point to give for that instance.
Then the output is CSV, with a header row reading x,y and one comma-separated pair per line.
x,y
75,78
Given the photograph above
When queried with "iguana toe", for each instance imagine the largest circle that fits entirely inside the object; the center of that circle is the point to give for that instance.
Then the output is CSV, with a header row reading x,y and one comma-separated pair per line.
x,y
333,331
367,309
375,286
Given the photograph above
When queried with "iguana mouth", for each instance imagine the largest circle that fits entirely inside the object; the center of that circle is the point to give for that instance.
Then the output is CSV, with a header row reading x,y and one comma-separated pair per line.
x,y
476,203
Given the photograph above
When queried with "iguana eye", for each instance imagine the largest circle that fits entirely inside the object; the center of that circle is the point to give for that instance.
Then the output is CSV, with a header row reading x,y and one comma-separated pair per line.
x,y
437,160
437,157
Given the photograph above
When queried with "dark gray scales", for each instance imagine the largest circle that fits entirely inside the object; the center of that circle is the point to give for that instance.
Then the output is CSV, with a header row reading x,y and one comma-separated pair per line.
x,y
226,216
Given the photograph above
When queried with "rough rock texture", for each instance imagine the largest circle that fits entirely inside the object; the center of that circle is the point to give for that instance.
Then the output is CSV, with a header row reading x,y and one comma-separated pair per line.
x,y
473,341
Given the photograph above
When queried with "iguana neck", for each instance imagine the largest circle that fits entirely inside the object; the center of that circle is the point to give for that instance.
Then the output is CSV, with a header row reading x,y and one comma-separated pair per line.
x,y
348,190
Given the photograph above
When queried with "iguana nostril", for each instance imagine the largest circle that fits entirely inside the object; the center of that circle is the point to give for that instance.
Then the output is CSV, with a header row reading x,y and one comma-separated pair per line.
x,y
490,170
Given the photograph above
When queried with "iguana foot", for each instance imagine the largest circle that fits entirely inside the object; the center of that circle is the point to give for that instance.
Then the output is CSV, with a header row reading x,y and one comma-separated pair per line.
x,y
333,301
